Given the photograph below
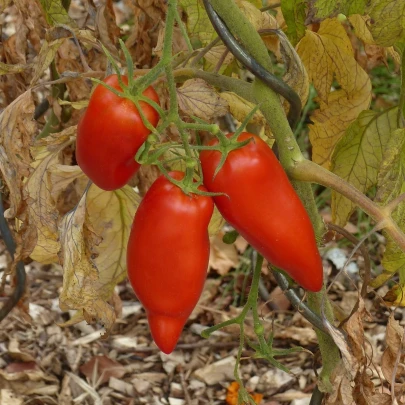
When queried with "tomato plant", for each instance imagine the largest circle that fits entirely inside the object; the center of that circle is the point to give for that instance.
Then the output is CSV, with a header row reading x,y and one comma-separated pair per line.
x,y
167,256
110,133
261,204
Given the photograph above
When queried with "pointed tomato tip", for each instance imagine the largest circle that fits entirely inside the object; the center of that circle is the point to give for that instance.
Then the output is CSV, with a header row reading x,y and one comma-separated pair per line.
x,y
315,283
166,331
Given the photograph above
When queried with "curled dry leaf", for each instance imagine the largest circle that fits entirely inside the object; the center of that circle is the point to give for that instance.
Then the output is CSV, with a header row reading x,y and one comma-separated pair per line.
x,y
296,76
106,26
197,98
40,236
17,130
94,240
393,354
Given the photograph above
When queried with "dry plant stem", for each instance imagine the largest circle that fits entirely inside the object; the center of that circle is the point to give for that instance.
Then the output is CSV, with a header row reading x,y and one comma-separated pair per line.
x,y
311,172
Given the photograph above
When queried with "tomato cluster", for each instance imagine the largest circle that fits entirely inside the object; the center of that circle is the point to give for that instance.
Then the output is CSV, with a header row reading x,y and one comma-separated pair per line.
x,y
168,247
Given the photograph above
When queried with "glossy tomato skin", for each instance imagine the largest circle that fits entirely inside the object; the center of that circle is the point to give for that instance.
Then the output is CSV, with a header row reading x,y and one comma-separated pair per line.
x,y
110,133
167,256
263,207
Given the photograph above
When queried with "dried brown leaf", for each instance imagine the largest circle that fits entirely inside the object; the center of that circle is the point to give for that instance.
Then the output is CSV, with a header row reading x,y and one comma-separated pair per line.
x,y
394,336
17,130
198,98
42,217
223,257
94,242
99,369
106,26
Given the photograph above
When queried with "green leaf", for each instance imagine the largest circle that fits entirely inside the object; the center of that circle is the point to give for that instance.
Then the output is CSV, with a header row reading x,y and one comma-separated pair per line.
x,y
56,14
294,12
358,155
330,8
391,183
387,21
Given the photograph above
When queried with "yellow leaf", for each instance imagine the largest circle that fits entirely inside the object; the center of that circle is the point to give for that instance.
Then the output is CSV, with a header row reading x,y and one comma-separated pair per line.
x,y
94,242
77,105
240,108
395,296
326,55
216,223
215,54
198,98
6,69
361,28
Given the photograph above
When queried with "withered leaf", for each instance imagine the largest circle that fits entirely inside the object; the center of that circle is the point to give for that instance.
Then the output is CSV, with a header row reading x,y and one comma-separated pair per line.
x,y
197,98
17,129
94,241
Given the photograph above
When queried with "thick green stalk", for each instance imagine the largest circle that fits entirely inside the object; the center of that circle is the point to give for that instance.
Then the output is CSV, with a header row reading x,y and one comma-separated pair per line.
x,y
329,351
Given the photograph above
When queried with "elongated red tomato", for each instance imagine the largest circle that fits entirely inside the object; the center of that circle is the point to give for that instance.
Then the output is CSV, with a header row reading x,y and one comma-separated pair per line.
x,y
167,256
110,133
263,207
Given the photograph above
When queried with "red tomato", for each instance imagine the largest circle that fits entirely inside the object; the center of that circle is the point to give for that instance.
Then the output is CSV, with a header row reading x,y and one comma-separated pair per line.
x,y
167,256
110,133
263,207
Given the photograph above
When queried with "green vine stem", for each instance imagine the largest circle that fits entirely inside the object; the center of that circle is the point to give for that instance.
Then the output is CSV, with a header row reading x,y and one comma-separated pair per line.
x,y
329,350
